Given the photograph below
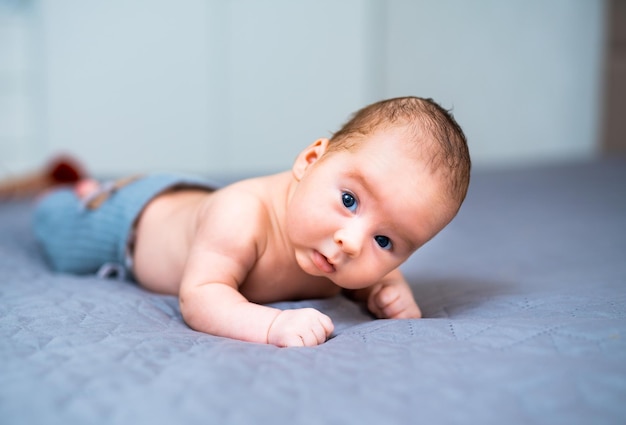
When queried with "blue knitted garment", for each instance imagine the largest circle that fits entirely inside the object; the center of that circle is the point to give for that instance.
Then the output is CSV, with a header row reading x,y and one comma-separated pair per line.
x,y
79,240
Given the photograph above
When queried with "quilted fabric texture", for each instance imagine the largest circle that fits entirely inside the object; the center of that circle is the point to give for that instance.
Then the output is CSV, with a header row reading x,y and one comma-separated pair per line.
x,y
524,297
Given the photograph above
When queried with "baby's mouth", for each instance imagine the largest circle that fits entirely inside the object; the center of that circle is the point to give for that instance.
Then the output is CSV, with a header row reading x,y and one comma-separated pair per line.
x,y
322,263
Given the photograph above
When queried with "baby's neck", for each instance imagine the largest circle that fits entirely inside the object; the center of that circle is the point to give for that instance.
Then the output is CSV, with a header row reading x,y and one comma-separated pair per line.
x,y
277,190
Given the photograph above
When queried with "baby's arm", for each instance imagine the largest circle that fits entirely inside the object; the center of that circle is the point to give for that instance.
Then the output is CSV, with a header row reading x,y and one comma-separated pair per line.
x,y
219,309
391,298
225,248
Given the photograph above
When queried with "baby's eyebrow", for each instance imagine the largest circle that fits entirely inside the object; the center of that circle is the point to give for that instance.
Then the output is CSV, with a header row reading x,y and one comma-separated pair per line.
x,y
364,183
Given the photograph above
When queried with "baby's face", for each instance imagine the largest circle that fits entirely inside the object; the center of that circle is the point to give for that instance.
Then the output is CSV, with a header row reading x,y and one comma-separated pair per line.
x,y
356,216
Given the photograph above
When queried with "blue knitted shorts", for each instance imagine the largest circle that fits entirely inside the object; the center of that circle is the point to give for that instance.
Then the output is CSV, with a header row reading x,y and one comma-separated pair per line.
x,y
81,239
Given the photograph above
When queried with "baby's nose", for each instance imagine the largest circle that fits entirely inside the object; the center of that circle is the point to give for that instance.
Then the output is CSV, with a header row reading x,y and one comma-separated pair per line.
x,y
350,241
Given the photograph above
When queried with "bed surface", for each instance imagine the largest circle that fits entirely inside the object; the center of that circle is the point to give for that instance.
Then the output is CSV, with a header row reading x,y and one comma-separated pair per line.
x,y
524,297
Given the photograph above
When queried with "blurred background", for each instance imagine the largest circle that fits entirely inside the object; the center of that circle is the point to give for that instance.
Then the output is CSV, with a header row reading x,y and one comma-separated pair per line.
x,y
241,86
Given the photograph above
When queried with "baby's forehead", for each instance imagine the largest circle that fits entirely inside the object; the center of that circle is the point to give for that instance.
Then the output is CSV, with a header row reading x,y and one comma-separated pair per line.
x,y
410,171
418,149
393,170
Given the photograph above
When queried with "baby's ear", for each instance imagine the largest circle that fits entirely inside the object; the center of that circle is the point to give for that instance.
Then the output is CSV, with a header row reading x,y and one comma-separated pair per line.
x,y
308,156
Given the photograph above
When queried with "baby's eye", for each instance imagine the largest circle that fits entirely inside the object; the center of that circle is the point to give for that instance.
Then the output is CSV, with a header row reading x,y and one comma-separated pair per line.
x,y
383,241
349,201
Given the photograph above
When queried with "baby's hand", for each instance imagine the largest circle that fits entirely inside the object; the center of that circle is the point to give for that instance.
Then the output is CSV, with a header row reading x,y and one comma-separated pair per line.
x,y
393,300
298,328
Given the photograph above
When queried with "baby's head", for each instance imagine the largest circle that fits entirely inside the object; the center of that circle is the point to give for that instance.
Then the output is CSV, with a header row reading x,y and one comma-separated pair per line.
x,y
432,134
386,183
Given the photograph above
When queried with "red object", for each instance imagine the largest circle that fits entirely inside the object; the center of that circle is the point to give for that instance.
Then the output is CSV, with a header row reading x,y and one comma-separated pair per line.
x,y
64,169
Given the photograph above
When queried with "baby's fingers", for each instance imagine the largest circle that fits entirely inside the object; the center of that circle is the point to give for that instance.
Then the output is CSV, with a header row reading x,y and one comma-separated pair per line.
x,y
324,330
392,303
302,327
327,325
383,303
318,332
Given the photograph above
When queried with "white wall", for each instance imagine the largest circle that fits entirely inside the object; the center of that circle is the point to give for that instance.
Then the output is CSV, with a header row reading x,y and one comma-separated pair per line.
x,y
291,72
19,96
126,85
523,76
241,86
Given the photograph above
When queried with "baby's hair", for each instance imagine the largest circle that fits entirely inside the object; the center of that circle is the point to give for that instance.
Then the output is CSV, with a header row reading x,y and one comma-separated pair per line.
x,y
444,141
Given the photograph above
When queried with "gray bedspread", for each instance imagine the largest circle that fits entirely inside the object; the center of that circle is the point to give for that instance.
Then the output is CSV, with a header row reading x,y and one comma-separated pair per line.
x,y
524,298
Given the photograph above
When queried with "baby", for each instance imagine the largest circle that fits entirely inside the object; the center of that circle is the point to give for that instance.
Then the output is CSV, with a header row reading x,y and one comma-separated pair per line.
x,y
348,213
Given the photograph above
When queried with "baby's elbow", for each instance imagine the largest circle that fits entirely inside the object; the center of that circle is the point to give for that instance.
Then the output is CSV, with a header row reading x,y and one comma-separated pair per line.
x,y
189,310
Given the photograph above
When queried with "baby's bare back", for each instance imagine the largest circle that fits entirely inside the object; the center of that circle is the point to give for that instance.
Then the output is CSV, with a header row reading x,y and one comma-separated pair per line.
x,y
164,232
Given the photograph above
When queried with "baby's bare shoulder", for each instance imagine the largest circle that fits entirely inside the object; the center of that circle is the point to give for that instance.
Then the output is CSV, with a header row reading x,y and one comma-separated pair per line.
x,y
244,198
238,210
